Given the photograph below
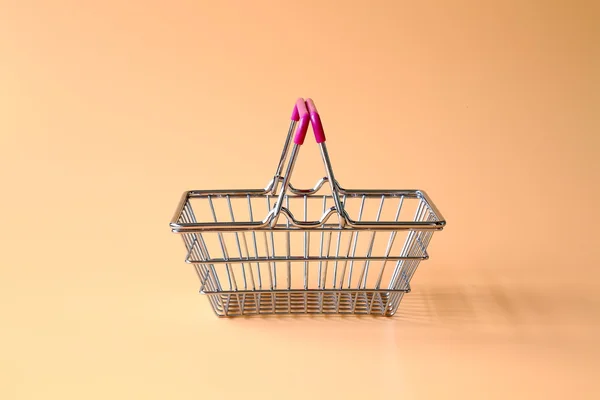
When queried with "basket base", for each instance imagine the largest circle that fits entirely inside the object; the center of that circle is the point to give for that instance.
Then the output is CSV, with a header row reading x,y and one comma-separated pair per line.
x,y
248,303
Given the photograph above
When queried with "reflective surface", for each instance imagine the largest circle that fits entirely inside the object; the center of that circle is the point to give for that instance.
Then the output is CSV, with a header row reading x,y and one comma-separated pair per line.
x,y
199,220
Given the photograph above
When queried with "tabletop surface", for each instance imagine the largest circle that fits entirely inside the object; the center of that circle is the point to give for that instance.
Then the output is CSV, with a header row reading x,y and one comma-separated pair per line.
x,y
110,111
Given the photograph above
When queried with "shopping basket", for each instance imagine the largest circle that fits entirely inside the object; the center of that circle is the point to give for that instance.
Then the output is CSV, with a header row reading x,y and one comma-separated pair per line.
x,y
323,250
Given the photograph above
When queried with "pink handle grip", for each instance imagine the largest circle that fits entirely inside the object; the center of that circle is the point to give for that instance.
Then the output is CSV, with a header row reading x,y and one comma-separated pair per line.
x,y
300,113
315,120
295,114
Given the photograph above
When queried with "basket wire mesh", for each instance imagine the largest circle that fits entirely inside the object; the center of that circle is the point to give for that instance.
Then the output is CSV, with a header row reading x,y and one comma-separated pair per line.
x,y
334,251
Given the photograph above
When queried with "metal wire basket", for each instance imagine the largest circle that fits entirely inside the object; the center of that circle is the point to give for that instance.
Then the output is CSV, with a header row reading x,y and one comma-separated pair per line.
x,y
335,251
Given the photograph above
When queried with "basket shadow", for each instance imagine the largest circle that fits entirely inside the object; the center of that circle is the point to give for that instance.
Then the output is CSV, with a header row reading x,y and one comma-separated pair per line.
x,y
493,308
428,305
468,305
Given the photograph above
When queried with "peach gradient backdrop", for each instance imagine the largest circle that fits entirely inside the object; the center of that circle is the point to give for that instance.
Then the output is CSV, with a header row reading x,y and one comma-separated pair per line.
x,y
109,110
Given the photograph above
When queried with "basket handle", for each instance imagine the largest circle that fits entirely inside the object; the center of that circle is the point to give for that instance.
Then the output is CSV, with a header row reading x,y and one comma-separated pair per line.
x,y
315,120
300,114
307,109
300,120
303,113
319,132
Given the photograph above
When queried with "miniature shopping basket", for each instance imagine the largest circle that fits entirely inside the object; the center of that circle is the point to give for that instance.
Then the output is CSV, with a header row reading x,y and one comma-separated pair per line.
x,y
324,250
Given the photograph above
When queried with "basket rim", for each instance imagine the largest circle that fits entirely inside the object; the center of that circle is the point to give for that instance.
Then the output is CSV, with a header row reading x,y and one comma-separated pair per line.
x,y
178,227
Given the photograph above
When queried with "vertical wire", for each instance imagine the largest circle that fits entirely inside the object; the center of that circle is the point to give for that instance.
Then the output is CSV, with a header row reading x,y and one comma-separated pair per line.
x,y
288,247
337,254
252,281
360,212
214,284
402,265
268,256
255,243
386,255
365,272
306,244
226,305
422,234
387,305
306,253
416,250
288,251
200,268
239,245
256,296
405,249
411,267
190,245
324,283
273,265
338,296
390,244
203,249
242,303
230,276
319,278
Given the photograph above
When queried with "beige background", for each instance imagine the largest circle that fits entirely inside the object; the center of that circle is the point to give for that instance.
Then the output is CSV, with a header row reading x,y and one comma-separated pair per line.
x,y
109,110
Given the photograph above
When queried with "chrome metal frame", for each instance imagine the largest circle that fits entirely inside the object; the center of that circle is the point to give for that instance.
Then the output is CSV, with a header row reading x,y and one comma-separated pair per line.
x,y
366,292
